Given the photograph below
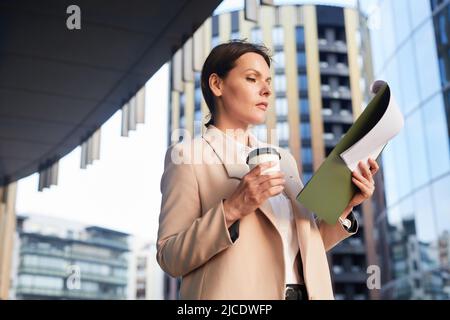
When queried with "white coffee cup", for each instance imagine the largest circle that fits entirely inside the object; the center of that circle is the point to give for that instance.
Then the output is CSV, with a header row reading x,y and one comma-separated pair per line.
x,y
261,155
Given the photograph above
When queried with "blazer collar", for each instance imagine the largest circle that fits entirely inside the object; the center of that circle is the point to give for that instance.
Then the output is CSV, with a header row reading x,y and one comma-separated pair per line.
x,y
236,168
227,151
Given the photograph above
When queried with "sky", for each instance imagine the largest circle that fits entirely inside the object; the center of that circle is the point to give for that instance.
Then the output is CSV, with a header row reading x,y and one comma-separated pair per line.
x,y
121,190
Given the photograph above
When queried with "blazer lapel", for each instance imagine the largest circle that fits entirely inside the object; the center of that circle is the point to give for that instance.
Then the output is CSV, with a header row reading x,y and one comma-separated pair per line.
x,y
234,165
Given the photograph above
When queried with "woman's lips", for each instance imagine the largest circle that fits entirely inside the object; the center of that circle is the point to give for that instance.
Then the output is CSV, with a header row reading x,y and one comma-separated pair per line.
x,y
262,106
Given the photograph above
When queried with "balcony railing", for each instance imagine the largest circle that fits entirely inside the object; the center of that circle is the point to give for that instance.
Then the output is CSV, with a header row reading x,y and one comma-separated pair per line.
x,y
116,262
339,69
336,46
60,293
341,93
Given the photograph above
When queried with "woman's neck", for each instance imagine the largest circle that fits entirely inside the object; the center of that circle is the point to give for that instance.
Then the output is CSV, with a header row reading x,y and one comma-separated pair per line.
x,y
238,133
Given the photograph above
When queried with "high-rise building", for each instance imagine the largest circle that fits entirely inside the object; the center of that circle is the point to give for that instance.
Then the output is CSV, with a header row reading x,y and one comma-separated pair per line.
x,y
317,94
149,278
58,259
411,51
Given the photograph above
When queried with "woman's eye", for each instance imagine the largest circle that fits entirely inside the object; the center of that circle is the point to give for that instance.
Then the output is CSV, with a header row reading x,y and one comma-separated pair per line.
x,y
251,79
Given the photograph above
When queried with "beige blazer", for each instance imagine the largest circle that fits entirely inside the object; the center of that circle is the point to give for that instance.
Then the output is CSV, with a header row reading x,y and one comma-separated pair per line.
x,y
194,242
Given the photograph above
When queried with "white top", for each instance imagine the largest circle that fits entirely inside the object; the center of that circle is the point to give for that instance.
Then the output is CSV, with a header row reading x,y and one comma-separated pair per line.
x,y
282,209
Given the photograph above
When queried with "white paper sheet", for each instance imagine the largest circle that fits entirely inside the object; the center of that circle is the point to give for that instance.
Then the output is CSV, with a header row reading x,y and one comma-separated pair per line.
x,y
371,145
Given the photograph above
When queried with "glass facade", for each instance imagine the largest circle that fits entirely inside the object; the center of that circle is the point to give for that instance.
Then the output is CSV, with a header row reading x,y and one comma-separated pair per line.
x,y
411,52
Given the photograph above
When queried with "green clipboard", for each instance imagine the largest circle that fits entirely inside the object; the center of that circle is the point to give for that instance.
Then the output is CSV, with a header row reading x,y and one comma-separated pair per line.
x,y
330,189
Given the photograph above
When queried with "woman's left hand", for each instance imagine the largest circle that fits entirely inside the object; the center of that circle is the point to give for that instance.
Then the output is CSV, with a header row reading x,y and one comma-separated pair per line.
x,y
364,182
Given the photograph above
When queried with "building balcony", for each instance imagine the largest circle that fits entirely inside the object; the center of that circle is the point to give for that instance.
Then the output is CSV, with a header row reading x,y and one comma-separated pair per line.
x,y
115,244
340,93
116,262
349,248
23,290
104,278
46,271
350,277
42,270
343,117
335,46
330,139
338,69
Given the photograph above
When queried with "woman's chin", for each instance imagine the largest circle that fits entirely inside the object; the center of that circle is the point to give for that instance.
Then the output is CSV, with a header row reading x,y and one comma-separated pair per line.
x,y
258,120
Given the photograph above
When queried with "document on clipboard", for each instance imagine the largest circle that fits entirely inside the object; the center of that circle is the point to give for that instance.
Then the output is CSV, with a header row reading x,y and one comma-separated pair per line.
x,y
330,189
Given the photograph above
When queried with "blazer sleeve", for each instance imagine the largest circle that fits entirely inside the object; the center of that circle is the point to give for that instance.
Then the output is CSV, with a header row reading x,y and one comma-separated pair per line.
x,y
187,238
333,234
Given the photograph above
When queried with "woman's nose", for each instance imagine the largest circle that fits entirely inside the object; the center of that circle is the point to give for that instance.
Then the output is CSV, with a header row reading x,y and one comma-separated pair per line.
x,y
266,90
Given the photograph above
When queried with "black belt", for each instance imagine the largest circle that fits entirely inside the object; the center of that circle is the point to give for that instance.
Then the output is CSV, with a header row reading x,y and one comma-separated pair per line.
x,y
296,292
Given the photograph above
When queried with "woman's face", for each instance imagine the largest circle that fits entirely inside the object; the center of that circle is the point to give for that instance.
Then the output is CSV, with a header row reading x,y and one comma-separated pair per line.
x,y
246,89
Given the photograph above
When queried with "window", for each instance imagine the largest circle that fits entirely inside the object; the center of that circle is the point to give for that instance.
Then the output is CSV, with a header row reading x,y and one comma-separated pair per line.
x,y
301,59
442,29
303,82
442,71
260,131
436,136
278,36
304,106
234,35
44,282
408,78
280,83
420,11
281,107
283,131
428,74
307,158
305,130
215,41
300,35
417,146
256,35
279,59
235,21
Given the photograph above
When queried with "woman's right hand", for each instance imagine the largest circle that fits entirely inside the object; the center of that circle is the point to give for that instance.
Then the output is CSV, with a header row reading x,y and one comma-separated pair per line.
x,y
252,191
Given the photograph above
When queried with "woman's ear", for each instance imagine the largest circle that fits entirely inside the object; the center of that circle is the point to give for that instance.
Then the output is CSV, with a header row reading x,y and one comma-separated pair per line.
x,y
215,84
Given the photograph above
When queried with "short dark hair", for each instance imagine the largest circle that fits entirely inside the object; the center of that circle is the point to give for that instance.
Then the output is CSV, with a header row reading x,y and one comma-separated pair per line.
x,y
221,60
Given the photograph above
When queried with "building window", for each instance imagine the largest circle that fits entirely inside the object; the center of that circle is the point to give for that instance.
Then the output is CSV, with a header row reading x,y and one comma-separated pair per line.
x,y
301,59
215,25
307,158
235,23
215,41
260,131
283,131
279,59
281,107
256,35
304,106
300,36
443,72
278,36
303,82
305,130
234,35
280,83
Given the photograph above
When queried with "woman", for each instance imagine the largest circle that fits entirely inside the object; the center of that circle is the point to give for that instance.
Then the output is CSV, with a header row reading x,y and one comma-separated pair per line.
x,y
232,233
